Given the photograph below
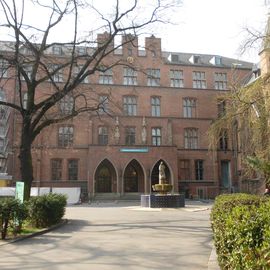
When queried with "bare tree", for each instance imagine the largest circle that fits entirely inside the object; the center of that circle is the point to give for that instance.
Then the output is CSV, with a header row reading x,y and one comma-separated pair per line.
x,y
31,64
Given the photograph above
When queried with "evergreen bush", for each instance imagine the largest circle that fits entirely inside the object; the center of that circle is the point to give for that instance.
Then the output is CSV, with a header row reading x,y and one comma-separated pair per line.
x,y
46,210
241,227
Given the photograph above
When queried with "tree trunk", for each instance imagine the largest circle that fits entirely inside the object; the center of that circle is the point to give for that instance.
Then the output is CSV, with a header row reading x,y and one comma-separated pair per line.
x,y
26,161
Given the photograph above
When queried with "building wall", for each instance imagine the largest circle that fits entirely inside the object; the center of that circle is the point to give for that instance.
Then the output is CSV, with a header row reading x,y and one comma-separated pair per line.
x,y
91,155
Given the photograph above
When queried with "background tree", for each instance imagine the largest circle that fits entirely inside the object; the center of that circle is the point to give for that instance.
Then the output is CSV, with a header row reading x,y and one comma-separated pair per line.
x,y
28,59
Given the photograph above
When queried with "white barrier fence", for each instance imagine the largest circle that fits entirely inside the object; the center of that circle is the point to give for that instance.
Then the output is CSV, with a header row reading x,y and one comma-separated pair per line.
x,y
73,194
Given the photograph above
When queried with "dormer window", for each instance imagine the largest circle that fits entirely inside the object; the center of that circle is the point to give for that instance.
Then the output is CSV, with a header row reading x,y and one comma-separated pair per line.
x,y
57,50
195,59
218,60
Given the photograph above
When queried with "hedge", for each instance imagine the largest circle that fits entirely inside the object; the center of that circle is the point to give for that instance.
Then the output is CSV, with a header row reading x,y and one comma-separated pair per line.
x,y
12,214
46,210
241,227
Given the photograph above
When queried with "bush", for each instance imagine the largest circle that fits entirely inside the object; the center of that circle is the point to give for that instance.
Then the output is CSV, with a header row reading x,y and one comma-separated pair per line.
x,y
46,210
12,214
241,227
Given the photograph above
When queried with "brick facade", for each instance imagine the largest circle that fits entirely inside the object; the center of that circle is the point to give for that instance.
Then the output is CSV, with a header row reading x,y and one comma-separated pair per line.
x,y
168,110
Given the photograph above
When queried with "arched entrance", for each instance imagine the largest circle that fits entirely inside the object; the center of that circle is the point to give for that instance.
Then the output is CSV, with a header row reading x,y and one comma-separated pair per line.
x,y
155,173
105,178
133,177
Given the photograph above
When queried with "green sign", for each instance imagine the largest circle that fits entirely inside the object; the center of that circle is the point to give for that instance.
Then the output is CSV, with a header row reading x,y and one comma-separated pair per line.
x,y
19,191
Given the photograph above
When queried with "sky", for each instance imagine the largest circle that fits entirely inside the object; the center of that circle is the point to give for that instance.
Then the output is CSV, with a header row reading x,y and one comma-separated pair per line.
x,y
215,27
199,26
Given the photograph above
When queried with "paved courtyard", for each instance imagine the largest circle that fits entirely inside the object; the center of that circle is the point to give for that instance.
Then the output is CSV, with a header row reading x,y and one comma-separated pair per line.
x,y
116,236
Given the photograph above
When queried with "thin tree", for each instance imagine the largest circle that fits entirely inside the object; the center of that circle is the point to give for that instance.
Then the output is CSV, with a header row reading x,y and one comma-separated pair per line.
x,y
29,62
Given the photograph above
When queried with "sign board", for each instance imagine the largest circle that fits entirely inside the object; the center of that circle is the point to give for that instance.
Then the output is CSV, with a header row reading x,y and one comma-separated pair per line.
x,y
134,150
19,191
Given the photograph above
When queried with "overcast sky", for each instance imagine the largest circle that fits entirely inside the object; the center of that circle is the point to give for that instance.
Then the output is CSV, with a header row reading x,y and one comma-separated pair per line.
x,y
215,27
201,26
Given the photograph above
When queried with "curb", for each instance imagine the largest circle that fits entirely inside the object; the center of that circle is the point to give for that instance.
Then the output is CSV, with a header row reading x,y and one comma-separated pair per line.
x,y
213,262
42,231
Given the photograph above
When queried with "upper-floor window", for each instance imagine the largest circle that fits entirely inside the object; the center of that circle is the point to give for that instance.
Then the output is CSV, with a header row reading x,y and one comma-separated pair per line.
x,y
223,140
103,135
57,50
56,73
155,106
3,68
199,169
198,78
130,105
191,138
25,99
103,104
28,70
221,107
77,70
177,78
156,136
106,76
66,104
56,169
153,77
189,107
130,135
130,76
65,136
220,81
73,169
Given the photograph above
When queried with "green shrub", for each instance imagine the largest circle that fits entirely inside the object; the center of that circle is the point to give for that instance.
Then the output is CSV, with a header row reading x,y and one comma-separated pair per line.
x,y
241,227
12,214
46,210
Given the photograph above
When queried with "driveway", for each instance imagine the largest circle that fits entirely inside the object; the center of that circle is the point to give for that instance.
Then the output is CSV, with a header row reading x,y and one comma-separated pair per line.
x,y
116,236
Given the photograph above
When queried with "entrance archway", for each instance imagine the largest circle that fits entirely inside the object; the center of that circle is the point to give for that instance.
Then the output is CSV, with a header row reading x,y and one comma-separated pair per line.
x,y
133,177
105,178
155,173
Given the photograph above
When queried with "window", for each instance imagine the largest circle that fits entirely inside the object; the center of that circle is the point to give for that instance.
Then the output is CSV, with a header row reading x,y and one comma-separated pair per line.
x,y
81,50
189,107
106,76
155,105
103,104
130,135
25,99
130,76
199,80
56,169
196,59
130,105
177,78
73,169
199,169
103,135
56,73
156,136
191,138
3,68
66,104
223,140
77,69
28,70
221,81
221,106
153,77
57,50
65,136
184,169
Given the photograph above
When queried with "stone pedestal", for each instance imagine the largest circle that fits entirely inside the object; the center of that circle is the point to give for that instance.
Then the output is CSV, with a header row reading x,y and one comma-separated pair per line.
x,y
163,201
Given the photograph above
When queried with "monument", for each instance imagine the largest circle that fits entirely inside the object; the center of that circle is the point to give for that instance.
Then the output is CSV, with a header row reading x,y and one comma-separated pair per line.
x,y
163,198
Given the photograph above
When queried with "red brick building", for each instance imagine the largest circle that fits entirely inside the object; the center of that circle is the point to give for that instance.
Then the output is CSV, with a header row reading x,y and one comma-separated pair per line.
x,y
160,107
